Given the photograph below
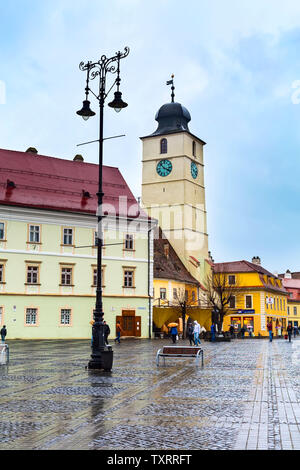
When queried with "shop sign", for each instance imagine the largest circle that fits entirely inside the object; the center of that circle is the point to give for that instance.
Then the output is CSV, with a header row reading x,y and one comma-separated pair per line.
x,y
245,311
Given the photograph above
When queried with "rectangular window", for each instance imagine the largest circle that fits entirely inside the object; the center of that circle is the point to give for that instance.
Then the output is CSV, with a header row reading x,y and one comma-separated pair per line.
x,y
65,316
129,242
163,294
283,304
280,304
288,310
68,236
31,316
248,301
2,231
295,310
32,274
174,293
193,296
66,276
128,278
1,272
232,302
231,280
34,234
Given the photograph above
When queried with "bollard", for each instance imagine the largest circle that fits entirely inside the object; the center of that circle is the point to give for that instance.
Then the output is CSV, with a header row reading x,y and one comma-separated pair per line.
x,y
4,354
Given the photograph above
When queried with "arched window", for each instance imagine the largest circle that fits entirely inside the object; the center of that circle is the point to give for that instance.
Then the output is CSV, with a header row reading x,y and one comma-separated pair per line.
x,y
194,148
163,146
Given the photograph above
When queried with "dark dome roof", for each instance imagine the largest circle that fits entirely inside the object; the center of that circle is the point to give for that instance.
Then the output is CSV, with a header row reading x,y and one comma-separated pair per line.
x,y
172,117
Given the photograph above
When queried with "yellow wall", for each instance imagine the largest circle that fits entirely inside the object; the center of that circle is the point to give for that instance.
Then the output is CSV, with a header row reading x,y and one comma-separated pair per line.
x,y
251,284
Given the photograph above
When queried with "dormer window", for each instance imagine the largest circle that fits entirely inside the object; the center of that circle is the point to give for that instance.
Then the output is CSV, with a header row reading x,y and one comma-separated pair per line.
x,y
163,146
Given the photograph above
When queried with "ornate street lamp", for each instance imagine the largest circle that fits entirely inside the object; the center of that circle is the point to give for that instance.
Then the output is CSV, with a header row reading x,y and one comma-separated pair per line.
x,y
102,356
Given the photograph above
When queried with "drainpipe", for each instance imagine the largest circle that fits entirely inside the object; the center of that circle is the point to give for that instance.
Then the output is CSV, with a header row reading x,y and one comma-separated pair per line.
x,y
149,279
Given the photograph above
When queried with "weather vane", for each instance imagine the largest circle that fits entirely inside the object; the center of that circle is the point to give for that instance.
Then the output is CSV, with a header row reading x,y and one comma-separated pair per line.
x,y
171,82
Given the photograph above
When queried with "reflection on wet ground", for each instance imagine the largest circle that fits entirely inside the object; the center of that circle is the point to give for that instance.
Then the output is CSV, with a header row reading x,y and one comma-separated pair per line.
x,y
246,397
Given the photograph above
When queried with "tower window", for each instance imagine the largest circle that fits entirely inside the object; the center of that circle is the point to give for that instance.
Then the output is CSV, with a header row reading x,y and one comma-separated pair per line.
x,y
194,148
163,146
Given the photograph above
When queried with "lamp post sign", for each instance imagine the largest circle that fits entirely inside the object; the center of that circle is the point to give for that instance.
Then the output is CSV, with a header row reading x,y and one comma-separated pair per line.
x,y
102,355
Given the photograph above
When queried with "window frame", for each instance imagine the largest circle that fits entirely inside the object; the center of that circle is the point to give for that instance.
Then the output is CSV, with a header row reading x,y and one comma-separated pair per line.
x,y
63,236
36,323
230,277
251,297
129,269
70,316
4,231
163,291
163,146
39,232
131,240
66,266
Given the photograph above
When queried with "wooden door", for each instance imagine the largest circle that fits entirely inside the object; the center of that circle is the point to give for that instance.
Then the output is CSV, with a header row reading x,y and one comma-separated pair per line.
x,y
128,322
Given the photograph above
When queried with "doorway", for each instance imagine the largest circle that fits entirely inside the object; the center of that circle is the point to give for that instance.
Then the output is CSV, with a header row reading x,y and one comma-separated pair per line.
x,y
130,323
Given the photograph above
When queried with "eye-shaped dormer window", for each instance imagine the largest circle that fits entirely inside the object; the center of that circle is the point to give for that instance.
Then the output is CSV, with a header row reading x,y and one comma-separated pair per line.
x,y
163,146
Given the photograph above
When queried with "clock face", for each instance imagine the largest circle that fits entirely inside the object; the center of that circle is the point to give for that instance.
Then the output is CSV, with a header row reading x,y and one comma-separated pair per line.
x,y
194,170
164,168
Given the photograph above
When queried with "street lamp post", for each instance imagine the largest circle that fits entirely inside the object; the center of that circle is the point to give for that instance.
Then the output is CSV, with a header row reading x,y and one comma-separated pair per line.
x,y
102,355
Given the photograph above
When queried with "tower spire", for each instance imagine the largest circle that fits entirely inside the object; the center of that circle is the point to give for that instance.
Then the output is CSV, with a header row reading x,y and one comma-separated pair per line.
x,y
171,82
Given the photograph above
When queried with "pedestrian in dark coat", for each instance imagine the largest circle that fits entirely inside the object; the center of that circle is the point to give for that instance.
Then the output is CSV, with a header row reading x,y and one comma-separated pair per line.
x,y
289,331
3,333
106,332
191,334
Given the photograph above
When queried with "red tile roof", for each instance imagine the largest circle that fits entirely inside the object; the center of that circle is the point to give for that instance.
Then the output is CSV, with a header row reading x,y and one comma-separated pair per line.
x,y
240,267
247,267
56,184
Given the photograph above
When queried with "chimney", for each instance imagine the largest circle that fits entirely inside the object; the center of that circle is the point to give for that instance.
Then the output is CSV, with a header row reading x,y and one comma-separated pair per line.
x,y
78,158
256,260
288,275
32,150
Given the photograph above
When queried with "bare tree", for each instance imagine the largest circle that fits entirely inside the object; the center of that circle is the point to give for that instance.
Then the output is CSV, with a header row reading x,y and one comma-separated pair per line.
x,y
183,302
221,295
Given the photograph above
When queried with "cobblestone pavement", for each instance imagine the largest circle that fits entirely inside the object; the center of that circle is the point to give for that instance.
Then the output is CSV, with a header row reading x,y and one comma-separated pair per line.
x,y
246,397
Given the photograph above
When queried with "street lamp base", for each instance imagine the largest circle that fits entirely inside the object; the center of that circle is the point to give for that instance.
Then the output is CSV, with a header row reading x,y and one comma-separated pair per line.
x,y
103,360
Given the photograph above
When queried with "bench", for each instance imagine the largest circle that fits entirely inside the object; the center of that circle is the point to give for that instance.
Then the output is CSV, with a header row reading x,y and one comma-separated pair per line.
x,y
180,351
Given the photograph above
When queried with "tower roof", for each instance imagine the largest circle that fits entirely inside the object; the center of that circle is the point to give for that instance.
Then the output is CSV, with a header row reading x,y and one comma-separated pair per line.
x,y
172,117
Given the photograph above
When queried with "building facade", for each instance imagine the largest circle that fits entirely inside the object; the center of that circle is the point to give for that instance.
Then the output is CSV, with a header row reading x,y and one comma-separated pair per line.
x,y
260,298
291,282
48,249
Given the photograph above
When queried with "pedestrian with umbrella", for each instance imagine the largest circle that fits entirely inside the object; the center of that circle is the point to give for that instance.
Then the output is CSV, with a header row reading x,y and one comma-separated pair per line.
x,y
174,331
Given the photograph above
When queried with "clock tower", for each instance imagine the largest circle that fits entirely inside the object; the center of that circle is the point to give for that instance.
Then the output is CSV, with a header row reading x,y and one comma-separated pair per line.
x,y
173,188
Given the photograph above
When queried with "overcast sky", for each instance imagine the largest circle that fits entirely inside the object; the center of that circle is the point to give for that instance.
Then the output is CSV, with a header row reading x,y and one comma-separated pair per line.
x,y
235,64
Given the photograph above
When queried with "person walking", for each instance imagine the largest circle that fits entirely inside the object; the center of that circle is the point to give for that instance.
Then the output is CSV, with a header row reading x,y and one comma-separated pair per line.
x,y
289,332
196,333
270,330
295,331
119,331
231,330
190,332
174,334
213,332
3,333
106,332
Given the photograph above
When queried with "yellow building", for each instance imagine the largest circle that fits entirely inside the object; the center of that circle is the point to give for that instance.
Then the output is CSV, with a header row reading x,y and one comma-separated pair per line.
x,y
291,282
173,190
260,298
173,285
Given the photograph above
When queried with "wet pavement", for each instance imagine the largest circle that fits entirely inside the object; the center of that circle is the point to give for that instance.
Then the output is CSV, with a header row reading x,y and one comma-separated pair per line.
x,y
247,396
